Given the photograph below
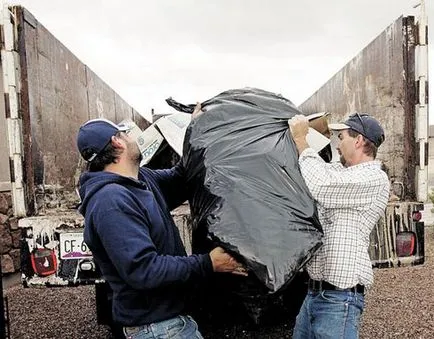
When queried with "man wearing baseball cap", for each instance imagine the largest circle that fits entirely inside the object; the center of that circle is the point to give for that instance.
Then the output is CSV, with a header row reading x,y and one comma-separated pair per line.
x,y
363,124
351,196
133,238
95,135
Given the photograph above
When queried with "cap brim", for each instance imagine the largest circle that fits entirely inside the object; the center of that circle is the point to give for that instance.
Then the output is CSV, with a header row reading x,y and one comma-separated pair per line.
x,y
123,128
338,126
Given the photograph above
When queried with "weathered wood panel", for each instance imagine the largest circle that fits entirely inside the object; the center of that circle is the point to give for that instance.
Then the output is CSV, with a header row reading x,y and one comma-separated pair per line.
x,y
57,104
122,109
30,108
101,98
59,93
380,81
140,120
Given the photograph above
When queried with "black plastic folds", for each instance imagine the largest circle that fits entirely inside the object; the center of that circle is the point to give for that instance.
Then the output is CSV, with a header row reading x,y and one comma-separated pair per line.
x,y
247,193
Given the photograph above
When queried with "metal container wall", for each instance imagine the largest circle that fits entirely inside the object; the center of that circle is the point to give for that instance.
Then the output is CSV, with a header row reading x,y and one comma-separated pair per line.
x,y
380,81
58,94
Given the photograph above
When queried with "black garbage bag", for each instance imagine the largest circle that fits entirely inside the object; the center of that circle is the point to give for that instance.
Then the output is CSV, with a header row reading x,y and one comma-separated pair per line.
x,y
246,191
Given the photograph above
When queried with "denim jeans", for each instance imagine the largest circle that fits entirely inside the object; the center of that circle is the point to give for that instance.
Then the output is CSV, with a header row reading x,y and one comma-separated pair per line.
x,y
180,327
329,314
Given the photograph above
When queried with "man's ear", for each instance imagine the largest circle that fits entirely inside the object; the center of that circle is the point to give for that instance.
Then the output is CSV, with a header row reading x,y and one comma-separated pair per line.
x,y
117,142
360,141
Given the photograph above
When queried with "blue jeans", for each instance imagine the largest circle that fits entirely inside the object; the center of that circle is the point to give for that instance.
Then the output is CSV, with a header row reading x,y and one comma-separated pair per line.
x,y
180,327
329,314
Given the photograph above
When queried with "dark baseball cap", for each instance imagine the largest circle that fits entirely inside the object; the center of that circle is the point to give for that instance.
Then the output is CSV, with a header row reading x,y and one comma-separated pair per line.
x,y
94,135
364,124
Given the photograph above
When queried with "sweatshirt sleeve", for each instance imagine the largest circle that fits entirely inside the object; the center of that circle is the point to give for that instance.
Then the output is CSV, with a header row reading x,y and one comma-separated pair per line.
x,y
172,183
124,233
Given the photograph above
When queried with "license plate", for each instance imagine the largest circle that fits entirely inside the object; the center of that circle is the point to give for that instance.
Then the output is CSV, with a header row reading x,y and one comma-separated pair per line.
x,y
72,246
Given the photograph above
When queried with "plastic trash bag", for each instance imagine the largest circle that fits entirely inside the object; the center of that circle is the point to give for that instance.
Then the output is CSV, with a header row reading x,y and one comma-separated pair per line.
x,y
246,191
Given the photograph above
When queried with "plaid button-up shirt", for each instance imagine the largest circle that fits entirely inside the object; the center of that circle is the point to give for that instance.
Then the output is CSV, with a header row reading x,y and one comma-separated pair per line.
x,y
350,202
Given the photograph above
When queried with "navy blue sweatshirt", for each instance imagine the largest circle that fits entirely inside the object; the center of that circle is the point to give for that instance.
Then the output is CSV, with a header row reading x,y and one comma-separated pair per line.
x,y
137,246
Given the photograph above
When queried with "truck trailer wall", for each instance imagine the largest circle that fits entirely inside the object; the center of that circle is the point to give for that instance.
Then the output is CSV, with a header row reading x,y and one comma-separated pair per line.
x,y
58,94
380,81
5,177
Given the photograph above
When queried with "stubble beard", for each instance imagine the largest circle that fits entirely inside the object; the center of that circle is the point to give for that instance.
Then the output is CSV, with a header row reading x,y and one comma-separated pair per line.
x,y
135,154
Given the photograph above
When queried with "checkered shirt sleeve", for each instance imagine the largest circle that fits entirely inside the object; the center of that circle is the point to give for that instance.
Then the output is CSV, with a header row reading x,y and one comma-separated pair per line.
x,y
350,202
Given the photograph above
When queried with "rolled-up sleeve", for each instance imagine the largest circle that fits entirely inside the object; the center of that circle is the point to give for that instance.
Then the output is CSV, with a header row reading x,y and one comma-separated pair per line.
x,y
335,186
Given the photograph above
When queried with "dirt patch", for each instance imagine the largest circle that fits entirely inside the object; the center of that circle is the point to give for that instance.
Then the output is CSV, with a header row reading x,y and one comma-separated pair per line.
x,y
398,306
400,303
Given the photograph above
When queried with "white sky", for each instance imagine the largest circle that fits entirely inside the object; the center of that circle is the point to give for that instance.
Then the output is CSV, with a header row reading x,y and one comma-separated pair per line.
x,y
148,50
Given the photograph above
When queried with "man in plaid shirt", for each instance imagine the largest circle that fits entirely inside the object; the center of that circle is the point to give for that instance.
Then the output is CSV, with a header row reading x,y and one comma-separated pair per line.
x,y
351,196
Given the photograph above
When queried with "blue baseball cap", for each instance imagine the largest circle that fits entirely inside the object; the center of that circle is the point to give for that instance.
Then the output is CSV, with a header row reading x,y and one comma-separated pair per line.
x,y
364,124
94,135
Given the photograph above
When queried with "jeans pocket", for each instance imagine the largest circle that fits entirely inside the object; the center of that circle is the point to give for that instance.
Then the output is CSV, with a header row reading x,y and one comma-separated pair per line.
x,y
177,327
335,297
195,328
192,320
136,333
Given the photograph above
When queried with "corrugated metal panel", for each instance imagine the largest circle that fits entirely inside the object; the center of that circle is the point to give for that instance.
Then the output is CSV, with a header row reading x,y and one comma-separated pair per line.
x,y
380,81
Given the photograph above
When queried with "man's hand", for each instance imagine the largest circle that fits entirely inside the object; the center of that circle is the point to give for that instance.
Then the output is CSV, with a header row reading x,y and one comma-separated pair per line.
x,y
299,126
223,262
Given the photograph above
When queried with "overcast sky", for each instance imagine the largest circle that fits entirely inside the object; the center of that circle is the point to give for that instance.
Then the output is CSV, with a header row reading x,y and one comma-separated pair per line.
x,y
192,50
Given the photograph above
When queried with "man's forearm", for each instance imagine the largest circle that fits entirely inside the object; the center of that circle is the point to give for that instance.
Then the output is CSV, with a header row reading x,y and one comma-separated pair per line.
x,y
301,144
299,126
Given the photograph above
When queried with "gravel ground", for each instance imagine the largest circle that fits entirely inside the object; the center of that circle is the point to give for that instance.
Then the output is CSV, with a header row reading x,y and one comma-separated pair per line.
x,y
398,306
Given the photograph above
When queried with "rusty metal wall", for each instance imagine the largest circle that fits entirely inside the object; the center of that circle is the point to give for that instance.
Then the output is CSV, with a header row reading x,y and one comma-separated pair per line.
x,y
380,81
58,94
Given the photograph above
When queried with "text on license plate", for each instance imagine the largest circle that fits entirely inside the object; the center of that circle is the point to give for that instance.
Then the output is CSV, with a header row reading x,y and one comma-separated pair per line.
x,y
72,246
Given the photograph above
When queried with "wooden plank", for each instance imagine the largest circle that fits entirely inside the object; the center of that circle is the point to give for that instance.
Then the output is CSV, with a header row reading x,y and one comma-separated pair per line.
x,y
29,111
